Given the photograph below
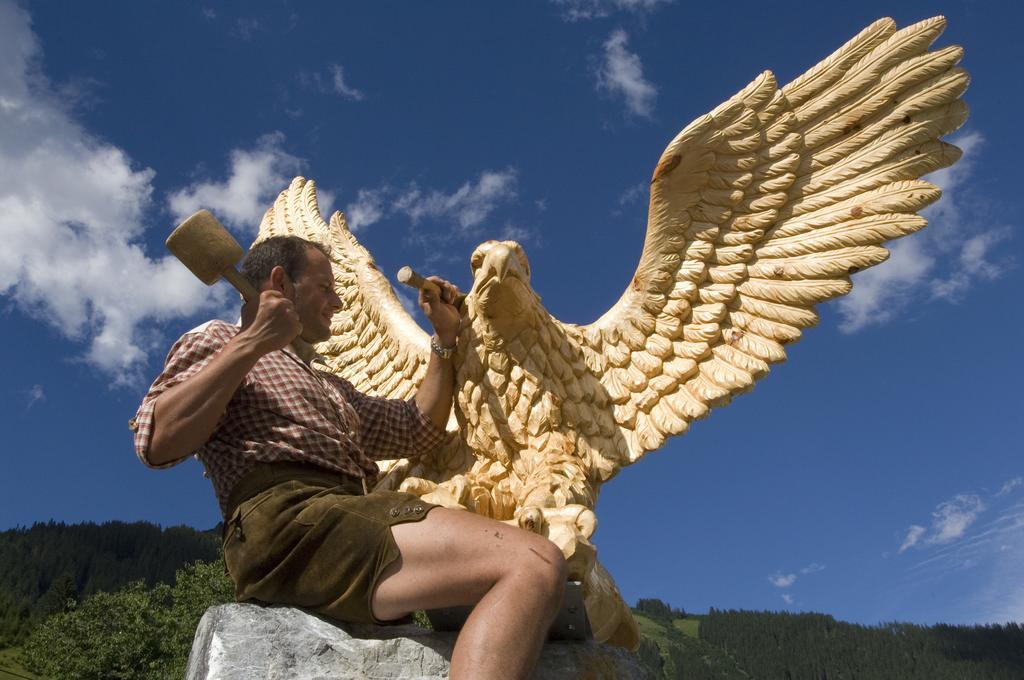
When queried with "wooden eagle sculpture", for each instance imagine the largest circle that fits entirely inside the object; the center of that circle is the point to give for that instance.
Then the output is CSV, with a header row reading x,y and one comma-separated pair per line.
x,y
759,210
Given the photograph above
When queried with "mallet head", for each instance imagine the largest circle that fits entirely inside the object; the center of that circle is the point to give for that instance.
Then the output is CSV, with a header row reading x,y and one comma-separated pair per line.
x,y
204,246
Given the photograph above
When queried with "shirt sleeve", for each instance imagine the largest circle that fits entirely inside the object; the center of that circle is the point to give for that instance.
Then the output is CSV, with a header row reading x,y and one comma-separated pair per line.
x,y
187,357
390,428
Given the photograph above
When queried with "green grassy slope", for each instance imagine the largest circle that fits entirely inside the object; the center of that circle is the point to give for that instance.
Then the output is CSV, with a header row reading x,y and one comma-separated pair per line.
x,y
681,653
11,668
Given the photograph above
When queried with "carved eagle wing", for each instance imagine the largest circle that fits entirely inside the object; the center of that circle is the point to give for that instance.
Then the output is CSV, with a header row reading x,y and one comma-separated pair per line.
x,y
762,209
376,345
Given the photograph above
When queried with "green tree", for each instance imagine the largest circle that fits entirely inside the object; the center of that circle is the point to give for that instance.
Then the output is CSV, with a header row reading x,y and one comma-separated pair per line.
x,y
111,635
134,633
197,587
654,608
61,596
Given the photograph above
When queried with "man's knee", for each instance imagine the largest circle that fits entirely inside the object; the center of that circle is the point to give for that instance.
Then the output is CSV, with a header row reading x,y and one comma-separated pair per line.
x,y
544,565
552,556
559,572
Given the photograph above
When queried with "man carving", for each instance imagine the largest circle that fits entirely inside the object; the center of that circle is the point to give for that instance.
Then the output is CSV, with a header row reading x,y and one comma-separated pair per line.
x,y
290,450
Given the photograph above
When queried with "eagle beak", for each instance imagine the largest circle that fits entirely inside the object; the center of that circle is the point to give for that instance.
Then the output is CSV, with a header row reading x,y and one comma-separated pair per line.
x,y
497,263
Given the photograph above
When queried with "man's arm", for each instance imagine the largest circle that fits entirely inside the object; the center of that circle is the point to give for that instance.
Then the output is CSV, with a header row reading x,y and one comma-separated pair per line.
x,y
434,396
186,415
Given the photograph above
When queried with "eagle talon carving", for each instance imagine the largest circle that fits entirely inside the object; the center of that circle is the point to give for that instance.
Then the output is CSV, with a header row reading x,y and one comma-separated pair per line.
x,y
759,210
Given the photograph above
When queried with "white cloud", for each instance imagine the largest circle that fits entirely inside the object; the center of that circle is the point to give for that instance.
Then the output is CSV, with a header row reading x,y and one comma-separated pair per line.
x,y
950,521
339,86
368,208
947,213
622,73
1010,485
255,178
1001,600
780,580
71,212
333,82
469,205
787,598
914,534
974,263
576,10
881,293
35,395
942,262
953,517
517,233
637,192
994,552
1006,528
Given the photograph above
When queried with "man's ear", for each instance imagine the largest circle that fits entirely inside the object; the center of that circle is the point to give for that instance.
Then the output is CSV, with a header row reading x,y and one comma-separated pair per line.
x,y
276,280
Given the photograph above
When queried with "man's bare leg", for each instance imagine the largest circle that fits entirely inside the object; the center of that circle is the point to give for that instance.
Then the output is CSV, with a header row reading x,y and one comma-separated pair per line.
x,y
515,578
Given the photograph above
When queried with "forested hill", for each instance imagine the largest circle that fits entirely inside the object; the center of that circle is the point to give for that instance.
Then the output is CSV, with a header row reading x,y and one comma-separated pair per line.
x,y
739,645
48,572
43,566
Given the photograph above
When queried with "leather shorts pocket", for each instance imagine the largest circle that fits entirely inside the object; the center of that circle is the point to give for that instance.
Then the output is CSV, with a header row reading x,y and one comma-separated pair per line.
x,y
317,508
235,530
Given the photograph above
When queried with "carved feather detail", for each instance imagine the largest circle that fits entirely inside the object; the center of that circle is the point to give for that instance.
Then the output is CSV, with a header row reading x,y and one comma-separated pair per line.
x,y
774,199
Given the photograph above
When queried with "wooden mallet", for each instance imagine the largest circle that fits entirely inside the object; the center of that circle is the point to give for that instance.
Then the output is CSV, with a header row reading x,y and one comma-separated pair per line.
x,y
210,252
410,278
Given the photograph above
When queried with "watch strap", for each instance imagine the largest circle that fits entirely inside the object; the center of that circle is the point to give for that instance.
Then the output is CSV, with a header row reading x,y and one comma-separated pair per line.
x,y
436,348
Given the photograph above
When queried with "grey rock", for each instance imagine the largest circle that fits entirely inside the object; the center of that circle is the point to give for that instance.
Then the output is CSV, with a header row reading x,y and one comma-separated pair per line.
x,y
248,641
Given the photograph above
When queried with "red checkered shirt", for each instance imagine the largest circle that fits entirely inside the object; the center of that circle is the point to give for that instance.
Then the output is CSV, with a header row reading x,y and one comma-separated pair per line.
x,y
287,411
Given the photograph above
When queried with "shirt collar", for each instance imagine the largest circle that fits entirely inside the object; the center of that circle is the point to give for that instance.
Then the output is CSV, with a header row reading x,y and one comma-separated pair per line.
x,y
304,352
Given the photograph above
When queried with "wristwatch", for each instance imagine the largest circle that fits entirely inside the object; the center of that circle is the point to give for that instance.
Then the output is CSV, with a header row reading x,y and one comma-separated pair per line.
x,y
443,352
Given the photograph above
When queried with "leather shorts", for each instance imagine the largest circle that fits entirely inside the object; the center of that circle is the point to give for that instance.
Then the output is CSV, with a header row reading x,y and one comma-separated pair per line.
x,y
306,537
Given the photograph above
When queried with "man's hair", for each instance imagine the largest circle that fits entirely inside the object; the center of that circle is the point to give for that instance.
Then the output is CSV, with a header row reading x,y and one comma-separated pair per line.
x,y
288,252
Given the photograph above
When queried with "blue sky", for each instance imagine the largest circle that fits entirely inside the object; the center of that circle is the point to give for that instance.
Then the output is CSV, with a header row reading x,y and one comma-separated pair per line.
x,y
876,475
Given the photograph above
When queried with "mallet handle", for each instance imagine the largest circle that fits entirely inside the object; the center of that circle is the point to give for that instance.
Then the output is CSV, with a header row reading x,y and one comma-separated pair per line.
x,y
241,284
250,294
410,278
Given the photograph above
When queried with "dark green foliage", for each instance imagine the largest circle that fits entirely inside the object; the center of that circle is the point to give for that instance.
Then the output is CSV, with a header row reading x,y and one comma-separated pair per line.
x,y
197,587
47,566
61,596
817,647
669,653
420,618
649,655
768,646
657,609
112,635
136,632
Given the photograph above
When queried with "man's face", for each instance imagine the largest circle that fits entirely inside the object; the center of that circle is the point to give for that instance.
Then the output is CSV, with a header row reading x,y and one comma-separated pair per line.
x,y
314,298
